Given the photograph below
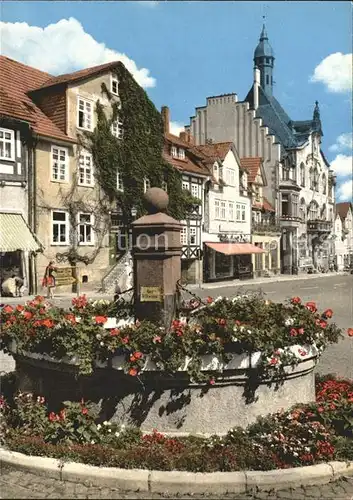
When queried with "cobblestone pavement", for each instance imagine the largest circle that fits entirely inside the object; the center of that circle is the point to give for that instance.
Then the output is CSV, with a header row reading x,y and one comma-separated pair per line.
x,y
17,484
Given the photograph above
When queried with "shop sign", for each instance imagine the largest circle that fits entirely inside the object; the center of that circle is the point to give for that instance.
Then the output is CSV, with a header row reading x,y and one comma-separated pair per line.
x,y
234,238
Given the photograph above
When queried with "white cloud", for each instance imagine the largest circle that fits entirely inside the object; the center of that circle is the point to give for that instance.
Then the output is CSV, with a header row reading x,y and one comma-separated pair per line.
x,y
61,48
342,165
176,128
335,71
345,191
344,141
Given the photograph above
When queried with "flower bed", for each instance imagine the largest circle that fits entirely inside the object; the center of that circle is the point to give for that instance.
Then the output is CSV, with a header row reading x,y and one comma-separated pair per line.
x,y
303,435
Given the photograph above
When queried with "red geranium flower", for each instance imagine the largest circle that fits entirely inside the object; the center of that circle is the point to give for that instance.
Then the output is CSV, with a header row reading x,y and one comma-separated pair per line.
x,y
84,411
311,306
138,355
133,372
71,318
125,340
49,323
114,332
328,313
19,308
350,332
295,300
158,339
301,331
52,417
100,320
28,315
273,361
41,310
293,332
209,300
222,322
8,309
322,323
212,381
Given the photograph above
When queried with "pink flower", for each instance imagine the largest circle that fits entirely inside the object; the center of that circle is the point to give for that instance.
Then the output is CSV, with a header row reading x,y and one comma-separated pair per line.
x,y
302,352
157,339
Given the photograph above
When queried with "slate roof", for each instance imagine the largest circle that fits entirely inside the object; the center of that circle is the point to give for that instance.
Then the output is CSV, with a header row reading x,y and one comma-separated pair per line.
x,y
342,209
16,80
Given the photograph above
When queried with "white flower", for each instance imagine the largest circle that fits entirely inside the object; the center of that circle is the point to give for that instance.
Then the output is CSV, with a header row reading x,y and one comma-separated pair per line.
x,y
109,430
295,454
249,331
102,344
106,422
117,434
99,427
92,442
289,322
122,427
98,336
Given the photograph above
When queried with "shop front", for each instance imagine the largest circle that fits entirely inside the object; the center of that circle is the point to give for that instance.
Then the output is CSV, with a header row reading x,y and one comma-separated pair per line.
x,y
228,260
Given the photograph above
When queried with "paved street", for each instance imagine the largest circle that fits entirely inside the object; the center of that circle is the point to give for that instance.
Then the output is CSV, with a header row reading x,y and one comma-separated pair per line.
x,y
16,484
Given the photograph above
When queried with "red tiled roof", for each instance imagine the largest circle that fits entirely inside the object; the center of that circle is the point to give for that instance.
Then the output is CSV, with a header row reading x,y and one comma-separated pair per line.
x,y
215,151
77,75
192,162
267,205
16,80
251,165
342,209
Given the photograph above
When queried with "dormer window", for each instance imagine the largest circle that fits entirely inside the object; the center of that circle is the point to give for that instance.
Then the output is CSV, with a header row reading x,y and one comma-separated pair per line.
x,y
181,154
174,151
114,85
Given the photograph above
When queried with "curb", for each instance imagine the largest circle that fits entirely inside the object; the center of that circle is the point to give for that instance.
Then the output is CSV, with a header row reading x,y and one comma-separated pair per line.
x,y
218,483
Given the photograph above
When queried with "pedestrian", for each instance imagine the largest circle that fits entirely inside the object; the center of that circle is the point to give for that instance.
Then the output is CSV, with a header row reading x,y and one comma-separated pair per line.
x,y
49,279
19,282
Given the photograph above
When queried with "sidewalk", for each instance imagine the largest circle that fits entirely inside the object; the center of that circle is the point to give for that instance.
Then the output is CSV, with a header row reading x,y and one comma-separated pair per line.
x,y
260,281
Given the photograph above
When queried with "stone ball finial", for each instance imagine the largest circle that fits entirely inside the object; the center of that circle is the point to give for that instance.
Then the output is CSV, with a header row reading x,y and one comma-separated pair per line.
x,y
156,200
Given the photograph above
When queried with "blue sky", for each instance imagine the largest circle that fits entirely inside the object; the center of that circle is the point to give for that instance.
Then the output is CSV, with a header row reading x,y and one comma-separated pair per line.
x,y
191,50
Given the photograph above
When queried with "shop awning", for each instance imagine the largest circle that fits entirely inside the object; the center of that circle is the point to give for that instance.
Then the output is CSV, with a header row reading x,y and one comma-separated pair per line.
x,y
16,235
235,248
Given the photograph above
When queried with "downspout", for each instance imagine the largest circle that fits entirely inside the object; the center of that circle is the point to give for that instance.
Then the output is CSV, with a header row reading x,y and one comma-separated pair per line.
x,y
31,288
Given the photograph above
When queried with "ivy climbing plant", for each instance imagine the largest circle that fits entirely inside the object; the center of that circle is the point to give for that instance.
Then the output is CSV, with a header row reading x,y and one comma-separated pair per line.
x,y
138,155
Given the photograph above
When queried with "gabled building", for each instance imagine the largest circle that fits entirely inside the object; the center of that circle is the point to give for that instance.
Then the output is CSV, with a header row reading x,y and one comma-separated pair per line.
x,y
343,241
180,152
300,184
265,230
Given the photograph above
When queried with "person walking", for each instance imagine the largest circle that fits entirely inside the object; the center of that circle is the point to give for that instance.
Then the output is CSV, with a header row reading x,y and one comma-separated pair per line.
x,y
49,279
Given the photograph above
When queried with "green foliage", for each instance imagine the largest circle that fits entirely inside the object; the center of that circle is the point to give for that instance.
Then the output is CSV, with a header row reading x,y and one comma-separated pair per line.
x,y
138,155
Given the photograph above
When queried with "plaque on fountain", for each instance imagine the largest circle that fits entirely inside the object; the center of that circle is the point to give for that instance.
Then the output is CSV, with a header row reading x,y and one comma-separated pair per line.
x,y
151,294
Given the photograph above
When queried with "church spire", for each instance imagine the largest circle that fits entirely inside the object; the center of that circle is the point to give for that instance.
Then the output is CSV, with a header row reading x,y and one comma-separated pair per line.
x,y
316,119
264,60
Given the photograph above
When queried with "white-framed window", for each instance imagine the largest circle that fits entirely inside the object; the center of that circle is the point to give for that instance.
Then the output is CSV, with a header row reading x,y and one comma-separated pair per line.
x,y
230,176
114,85
84,115
238,212
193,235
223,210
146,184
174,151
85,229
119,182
243,213
85,169
59,164
181,154
185,185
220,172
165,186
217,209
7,144
60,227
183,236
231,210
195,190
117,129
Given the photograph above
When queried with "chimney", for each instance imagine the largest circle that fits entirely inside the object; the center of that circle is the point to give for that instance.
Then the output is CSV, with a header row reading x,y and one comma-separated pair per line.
x,y
256,87
184,136
166,118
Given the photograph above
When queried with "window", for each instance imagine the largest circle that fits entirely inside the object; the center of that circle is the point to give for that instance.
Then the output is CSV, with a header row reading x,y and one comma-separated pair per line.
x,y
183,236
217,211
302,174
220,173
230,176
60,226
85,171
59,164
285,173
165,186
316,179
146,184
115,85
182,154
195,190
231,210
193,236
313,211
117,129
324,189
119,182
84,114
238,214
285,205
185,185
302,210
243,215
257,193
85,229
7,144
174,151
294,205
267,80
223,210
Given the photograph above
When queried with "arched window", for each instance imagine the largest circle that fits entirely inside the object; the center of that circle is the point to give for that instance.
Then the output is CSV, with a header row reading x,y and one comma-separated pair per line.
x,y
316,179
324,187
302,210
311,177
302,174
313,211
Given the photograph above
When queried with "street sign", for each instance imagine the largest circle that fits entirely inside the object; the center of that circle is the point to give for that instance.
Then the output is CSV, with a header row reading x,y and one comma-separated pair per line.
x,y
63,276
151,294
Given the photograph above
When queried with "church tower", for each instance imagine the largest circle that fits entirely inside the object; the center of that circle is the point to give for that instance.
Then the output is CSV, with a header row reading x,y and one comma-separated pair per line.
x,y
264,61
